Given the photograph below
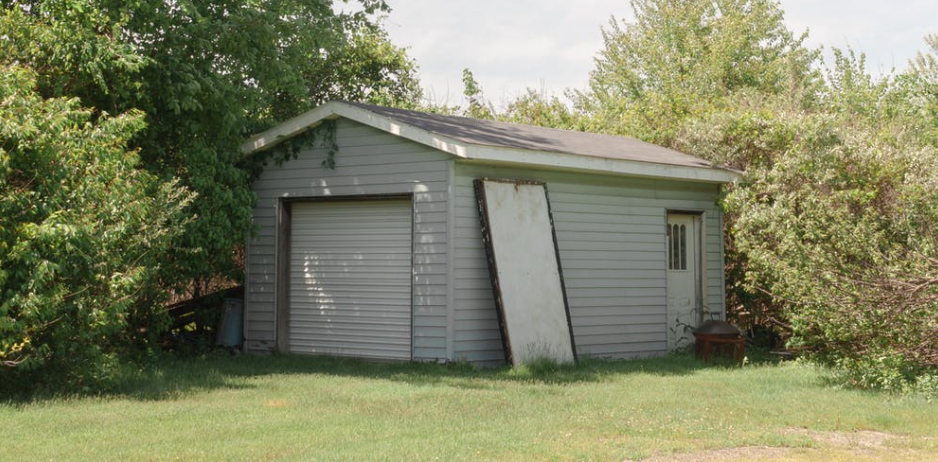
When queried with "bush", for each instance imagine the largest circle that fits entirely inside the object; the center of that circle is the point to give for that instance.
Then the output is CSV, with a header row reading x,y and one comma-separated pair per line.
x,y
82,230
843,230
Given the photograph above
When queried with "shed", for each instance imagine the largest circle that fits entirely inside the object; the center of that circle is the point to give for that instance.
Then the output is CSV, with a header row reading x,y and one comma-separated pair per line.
x,y
382,256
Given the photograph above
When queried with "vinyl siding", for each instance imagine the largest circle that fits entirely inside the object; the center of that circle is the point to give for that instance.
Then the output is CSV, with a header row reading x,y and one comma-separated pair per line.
x,y
610,233
368,162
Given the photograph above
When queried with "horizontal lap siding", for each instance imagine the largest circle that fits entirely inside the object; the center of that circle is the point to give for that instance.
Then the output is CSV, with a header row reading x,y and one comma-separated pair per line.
x,y
610,232
716,288
368,162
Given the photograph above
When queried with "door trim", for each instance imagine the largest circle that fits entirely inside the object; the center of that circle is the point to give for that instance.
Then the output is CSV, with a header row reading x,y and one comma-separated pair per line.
x,y
700,282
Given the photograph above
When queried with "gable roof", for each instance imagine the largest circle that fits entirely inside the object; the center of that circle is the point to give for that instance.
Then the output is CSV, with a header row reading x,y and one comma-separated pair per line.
x,y
492,141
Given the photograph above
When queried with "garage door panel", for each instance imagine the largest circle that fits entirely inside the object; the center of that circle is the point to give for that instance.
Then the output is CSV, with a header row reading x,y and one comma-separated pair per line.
x,y
351,278
388,292
358,298
381,351
340,273
350,260
352,215
358,305
339,288
340,326
334,317
356,335
340,342
361,350
339,313
369,225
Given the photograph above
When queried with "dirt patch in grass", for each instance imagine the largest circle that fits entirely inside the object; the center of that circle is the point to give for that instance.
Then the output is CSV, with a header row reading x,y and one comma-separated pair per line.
x,y
830,446
722,455
857,441
275,403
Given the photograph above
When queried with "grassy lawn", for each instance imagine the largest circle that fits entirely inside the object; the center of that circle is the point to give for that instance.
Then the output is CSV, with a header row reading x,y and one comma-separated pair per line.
x,y
288,408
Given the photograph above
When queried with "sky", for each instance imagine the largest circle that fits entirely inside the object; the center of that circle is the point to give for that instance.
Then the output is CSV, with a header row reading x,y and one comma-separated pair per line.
x,y
549,45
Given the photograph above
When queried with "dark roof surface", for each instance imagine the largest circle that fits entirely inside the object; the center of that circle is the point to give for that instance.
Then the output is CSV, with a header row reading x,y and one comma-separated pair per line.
x,y
507,135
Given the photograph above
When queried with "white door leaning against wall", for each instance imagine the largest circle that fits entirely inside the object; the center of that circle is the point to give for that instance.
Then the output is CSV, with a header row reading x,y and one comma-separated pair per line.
x,y
682,268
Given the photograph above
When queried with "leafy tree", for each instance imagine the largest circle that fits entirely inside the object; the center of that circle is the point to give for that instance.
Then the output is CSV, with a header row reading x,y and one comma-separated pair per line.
x,y
842,230
82,235
832,228
925,65
206,74
536,108
920,89
477,107
684,58
190,81
837,219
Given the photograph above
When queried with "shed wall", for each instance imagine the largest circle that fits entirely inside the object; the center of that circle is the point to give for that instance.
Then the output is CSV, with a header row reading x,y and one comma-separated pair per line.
x,y
368,162
611,238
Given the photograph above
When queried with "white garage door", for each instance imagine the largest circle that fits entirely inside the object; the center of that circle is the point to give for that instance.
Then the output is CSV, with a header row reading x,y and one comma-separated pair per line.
x,y
350,278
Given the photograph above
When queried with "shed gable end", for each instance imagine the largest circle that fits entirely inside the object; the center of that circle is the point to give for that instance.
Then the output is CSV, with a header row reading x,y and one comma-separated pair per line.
x,y
368,163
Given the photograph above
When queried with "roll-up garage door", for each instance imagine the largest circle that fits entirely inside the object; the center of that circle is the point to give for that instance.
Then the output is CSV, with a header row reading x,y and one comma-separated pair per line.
x,y
350,278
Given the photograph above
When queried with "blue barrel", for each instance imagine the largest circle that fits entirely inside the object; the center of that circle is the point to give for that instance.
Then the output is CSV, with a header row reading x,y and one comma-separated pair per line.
x,y
230,332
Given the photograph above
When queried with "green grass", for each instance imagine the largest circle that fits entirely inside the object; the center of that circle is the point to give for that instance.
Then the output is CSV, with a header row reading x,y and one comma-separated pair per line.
x,y
288,408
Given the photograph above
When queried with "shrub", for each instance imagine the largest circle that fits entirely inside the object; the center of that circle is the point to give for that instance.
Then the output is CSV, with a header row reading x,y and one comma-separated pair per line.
x,y
843,230
81,233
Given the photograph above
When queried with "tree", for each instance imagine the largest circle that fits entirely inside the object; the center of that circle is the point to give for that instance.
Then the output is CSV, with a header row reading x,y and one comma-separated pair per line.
x,y
476,107
920,86
82,235
831,230
537,108
206,74
840,226
189,81
842,230
684,58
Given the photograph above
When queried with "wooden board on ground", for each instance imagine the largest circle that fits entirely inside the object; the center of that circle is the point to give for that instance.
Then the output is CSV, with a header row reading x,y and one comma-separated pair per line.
x,y
524,264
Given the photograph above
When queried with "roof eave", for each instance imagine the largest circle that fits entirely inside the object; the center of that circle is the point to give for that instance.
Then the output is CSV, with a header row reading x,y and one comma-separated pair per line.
x,y
600,164
334,109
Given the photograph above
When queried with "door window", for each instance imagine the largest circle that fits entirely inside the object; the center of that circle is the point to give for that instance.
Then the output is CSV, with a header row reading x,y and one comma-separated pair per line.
x,y
677,247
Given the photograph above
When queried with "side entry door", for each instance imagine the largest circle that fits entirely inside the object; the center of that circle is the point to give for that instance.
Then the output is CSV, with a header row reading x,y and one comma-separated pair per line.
x,y
682,280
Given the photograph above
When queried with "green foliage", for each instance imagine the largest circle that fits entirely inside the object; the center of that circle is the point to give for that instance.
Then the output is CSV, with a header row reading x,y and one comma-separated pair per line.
x,y
832,231
842,229
684,58
82,236
535,108
477,107
207,74
840,225
192,80
925,65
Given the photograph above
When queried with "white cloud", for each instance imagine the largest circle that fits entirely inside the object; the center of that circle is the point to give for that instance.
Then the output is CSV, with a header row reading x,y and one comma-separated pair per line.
x,y
508,45
889,33
551,44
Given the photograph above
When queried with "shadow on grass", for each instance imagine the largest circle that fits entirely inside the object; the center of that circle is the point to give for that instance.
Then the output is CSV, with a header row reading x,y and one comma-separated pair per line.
x,y
174,378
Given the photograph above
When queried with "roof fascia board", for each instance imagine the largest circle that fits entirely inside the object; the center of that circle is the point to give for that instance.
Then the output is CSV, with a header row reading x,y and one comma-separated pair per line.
x,y
599,164
274,136
334,109
331,110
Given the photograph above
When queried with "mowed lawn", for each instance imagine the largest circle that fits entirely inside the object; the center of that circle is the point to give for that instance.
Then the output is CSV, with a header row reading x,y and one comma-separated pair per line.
x,y
290,408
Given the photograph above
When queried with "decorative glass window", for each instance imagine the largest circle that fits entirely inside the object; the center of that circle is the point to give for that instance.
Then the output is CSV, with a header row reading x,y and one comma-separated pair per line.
x,y
677,247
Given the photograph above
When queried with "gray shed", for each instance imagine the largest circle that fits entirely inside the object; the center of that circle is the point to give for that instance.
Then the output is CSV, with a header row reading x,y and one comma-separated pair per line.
x,y
382,257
